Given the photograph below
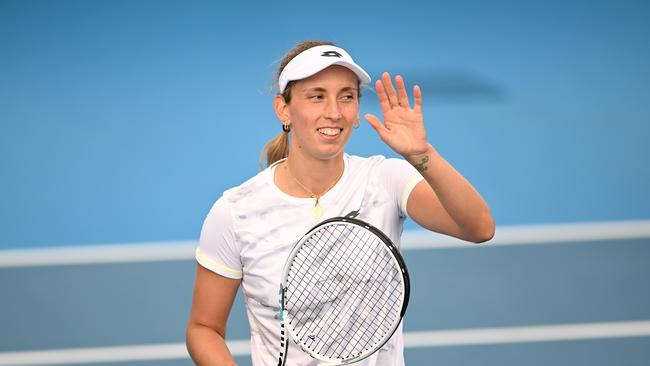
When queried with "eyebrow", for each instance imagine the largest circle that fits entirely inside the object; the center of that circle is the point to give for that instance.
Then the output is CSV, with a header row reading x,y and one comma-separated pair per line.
x,y
319,89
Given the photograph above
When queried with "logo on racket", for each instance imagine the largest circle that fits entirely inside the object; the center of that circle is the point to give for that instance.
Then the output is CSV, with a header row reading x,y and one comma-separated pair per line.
x,y
312,337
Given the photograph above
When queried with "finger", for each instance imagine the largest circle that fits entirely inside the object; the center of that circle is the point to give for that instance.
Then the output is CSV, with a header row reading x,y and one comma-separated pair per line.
x,y
376,124
390,89
402,97
417,98
384,103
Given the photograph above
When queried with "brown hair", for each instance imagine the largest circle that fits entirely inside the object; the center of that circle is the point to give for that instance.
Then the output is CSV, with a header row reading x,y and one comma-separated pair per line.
x,y
278,148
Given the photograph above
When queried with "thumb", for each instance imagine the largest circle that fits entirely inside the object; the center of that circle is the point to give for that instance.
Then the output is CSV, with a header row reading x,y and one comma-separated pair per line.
x,y
376,124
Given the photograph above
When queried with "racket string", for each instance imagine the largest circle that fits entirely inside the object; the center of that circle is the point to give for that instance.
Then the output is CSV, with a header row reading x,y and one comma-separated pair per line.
x,y
338,257
382,317
360,341
308,292
355,301
305,292
338,307
342,242
343,301
353,330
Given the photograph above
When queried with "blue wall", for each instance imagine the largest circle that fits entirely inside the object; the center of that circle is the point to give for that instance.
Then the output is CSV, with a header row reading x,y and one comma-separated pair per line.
x,y
122,121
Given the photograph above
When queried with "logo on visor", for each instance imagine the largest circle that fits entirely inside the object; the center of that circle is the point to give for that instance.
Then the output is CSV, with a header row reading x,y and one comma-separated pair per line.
x,y
331,54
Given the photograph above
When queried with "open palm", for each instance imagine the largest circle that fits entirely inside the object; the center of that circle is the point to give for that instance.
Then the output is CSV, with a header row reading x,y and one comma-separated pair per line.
x,y
403,126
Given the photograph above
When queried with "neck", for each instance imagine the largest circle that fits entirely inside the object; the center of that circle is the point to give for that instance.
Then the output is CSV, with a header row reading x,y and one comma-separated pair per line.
x,y
317,176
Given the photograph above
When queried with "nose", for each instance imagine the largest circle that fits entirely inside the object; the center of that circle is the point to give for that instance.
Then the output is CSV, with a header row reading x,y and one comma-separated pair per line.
x,y
332,110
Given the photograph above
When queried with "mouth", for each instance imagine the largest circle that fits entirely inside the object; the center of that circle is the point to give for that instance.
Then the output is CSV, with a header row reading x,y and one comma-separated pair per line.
x,y
330,131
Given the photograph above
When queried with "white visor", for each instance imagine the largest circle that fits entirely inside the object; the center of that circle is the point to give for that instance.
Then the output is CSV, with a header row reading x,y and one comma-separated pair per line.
x,y
315,59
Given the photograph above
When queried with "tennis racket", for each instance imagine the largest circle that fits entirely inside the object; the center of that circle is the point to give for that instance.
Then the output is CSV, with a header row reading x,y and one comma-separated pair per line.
x,y
344,291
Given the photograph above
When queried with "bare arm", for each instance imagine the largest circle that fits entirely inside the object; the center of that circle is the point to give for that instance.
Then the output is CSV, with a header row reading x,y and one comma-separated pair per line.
x,y
206,329
445,202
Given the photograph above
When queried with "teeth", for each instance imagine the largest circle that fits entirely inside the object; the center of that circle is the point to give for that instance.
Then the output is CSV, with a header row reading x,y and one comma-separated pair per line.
x,y
329,131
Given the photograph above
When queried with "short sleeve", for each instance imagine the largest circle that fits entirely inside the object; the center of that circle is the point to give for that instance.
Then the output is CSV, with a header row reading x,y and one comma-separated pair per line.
x,y
400,178
218,250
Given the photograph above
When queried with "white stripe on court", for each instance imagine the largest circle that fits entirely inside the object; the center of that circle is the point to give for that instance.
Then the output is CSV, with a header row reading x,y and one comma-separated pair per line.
x,y
535,234
465,337
67,356
95,254
539,333
411,240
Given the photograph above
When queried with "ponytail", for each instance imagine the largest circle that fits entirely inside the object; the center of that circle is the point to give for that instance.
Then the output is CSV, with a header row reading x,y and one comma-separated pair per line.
x,y
278,148
275,150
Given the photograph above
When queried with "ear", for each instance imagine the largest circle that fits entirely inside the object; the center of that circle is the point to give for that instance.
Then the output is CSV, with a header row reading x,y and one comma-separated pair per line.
x,y
281,108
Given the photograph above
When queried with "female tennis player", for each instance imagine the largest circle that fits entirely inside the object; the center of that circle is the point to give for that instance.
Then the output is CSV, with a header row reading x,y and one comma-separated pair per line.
x,y
251,229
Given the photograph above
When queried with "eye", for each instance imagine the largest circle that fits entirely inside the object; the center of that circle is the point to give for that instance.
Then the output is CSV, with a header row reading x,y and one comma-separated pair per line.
x,y
348,97
316,97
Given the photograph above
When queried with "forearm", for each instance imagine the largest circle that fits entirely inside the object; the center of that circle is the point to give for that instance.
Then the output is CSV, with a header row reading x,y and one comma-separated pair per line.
x,y
207,347
460,200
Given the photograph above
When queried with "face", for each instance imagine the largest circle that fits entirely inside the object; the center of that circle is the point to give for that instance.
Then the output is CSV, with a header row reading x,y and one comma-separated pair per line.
x,y
322,112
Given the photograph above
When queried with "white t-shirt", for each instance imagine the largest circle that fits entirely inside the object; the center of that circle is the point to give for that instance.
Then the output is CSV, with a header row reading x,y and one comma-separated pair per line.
x,y
251,229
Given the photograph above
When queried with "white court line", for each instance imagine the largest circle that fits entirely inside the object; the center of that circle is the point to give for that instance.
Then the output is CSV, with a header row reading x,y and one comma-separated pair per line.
x,y
535,234
411,240
465,337
539,333
94,254
67,356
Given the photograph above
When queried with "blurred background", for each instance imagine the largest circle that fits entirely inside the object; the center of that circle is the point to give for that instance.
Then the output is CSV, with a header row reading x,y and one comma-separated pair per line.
x,y
121,122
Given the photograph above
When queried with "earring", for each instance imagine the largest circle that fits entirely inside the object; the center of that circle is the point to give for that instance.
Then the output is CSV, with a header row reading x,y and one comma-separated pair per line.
x,y
286,127
356,125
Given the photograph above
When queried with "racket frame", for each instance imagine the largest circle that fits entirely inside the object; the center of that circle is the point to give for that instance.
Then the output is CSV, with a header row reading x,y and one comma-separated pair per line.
x,y
285,317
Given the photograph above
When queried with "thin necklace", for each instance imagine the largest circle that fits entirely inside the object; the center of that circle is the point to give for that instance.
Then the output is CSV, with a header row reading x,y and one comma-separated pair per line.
x,y
317,210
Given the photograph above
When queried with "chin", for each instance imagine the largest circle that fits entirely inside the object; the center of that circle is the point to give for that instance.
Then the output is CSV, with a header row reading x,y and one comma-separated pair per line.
x,y
329,154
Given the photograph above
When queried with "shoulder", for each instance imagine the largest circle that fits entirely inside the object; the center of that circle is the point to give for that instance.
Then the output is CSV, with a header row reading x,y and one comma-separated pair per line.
x,y
224,211
363,163
378,163
395,165
255,186
236,197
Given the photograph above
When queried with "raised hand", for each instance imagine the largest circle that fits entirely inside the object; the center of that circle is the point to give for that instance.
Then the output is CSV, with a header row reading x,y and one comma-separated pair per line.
x,y
403,126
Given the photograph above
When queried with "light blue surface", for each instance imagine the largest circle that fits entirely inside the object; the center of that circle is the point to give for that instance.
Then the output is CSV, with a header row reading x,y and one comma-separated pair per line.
x,y
122,121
